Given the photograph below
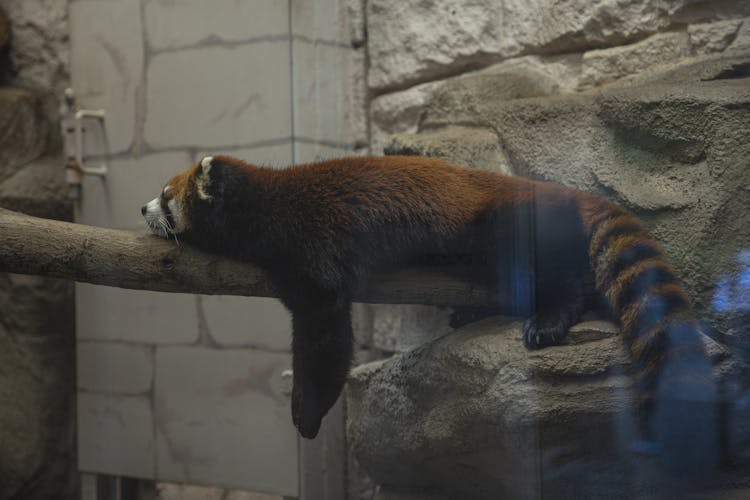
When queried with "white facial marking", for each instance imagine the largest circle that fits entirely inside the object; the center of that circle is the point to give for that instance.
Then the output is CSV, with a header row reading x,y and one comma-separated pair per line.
x,y
206,163
201,186
204,180
153,207
179,220
155,218
165,223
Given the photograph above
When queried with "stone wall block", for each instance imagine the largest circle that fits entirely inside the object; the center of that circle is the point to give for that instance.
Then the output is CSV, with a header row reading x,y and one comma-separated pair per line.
x,y
23,427
227,101
38,189
398,328
36,431
173,25
173,321
27,295
356,100
413,42
468,146
39,47
268,323
405,111
107,63
396,113
741,42
706,38
699,12
417,41
458,99
355,13
114,368
239,389
606,65
25,129
329,94
334,22
119,437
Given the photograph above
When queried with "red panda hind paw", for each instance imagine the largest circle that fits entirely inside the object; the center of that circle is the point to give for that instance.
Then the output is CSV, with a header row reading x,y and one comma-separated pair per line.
x,y
306,417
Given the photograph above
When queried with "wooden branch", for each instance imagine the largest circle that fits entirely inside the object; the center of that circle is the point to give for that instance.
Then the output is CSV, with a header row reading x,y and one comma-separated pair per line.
x,y
124,259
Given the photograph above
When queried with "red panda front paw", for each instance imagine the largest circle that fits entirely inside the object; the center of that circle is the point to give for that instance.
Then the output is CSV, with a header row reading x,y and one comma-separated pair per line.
x,y
541,332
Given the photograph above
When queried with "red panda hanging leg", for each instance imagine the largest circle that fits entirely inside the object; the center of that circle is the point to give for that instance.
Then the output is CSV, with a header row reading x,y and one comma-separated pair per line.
x,y
560,258
322,353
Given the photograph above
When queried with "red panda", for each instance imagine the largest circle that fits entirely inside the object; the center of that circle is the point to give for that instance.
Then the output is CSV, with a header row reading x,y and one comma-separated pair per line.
x,y
319,229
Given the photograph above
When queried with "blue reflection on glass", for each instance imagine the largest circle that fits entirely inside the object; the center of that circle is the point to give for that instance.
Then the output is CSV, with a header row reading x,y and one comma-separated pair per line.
x,y
734,295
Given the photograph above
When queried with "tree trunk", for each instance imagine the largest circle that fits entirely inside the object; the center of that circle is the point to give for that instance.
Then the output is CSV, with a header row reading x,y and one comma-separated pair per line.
x,y
30,245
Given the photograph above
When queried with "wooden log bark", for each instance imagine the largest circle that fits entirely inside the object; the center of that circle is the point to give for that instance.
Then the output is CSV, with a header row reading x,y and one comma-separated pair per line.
x,y
125,259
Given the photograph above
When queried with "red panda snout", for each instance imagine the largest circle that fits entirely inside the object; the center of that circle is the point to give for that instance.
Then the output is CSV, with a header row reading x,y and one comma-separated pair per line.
x,y
156,218
164,215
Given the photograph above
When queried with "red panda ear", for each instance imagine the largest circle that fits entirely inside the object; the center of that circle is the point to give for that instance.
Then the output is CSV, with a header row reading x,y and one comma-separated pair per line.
x,y
203,179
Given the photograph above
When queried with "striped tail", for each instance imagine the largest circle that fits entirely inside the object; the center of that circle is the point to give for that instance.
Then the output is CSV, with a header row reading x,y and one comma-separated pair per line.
x,y
643,293
678,418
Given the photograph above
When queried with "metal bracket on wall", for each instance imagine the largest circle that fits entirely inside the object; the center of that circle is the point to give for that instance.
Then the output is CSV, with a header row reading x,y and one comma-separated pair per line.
x,y
73,130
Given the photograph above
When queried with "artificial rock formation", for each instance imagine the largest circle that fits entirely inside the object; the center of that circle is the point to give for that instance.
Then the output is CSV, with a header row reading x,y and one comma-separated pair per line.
x,y
37,371
413,42
670,145
37,349
473,414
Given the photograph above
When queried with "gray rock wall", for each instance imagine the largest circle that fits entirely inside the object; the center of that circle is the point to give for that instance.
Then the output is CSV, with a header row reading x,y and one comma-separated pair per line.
x,y
39,51
399,106
513,86
644,102
413,42
670,146
37,349
474,415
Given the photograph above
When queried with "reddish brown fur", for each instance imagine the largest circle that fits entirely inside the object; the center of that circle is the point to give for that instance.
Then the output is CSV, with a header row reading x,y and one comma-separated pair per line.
x,y
327,207
447,197
451,196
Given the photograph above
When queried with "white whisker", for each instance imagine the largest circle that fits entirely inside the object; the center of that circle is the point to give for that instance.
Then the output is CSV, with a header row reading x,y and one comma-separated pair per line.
x,y
158,222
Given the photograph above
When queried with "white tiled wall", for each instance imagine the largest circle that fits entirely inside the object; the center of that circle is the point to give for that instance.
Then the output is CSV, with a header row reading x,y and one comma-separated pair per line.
x,y
208,403
107,62
181,387
327,121
219,96
175,25
116,434
222,314
115,368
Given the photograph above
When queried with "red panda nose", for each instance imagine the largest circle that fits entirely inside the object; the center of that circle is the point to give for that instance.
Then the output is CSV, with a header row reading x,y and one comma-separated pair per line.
x,y
143,210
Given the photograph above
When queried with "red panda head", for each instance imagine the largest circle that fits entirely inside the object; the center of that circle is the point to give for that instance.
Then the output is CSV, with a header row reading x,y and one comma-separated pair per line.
x,y
169,213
